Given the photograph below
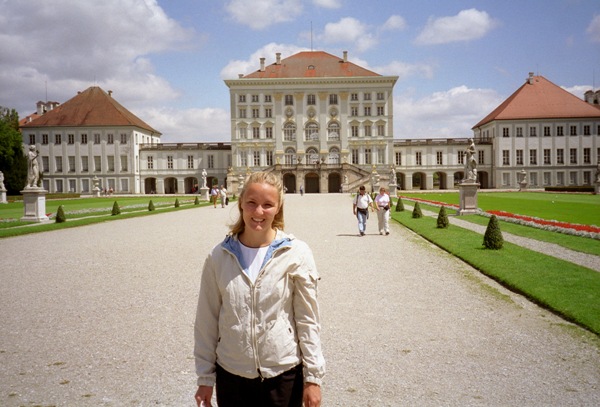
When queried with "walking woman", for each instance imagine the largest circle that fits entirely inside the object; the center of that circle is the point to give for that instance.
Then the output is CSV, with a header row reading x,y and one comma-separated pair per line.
x,y
257,330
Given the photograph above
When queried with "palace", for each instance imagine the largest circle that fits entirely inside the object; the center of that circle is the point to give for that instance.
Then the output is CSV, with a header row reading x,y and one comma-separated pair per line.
x,y
322,123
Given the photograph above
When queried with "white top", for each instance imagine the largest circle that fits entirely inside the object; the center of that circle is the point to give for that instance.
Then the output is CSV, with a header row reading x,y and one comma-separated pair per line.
x,y
253,258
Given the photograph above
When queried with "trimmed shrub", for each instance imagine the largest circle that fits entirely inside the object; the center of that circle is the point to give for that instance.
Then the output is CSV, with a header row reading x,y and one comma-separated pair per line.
x,y
442,220
399,205
417,211
151,206
196,201
116,210
60,215
492,239
177,202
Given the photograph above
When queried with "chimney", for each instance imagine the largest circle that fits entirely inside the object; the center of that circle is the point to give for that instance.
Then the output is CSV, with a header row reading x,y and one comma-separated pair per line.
x,y
110,93
530,79
262,64
278,58
345,56
240,75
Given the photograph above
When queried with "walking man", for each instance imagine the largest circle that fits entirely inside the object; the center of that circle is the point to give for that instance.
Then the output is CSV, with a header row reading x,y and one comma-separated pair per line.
x,y
360,208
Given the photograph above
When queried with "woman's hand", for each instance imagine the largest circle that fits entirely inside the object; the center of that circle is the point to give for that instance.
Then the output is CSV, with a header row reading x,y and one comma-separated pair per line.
x,y
203,396
312,395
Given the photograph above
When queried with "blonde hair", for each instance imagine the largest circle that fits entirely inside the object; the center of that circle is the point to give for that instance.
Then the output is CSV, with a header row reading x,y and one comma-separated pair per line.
x,y
260,178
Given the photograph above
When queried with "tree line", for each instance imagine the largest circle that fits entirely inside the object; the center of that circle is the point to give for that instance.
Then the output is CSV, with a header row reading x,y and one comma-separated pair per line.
x,y
13,162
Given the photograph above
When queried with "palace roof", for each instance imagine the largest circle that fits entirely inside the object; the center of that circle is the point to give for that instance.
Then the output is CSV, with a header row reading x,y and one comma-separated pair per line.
x,y
92,107
310,64
538,98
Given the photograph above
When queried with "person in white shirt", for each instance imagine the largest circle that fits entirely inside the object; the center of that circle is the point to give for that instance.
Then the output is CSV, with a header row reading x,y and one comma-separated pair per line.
x,y
360,207
382,203
223,195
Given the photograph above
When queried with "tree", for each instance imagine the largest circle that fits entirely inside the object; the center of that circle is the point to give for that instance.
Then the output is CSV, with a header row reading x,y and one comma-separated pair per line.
x,y
177,202
151,206
442,220
60,215
13,162
417,211
116,210
399,205
197,201
492,239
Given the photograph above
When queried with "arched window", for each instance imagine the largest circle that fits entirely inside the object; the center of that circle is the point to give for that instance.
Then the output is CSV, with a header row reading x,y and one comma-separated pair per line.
x,y
311,132
289,132
312,155
334,156
290,156
333,131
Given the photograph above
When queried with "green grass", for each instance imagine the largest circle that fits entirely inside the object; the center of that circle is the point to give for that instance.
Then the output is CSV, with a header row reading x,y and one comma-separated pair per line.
x,y
574,208
568,290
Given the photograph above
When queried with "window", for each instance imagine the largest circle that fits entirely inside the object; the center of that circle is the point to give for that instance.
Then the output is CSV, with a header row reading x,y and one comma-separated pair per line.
x,y
587,155
211,161
311,100
242,98
560,156
333,99
255,132
71,163
45,163
243,132
587,178
532,157
547,178
255,113
573,130
333,131
242,114
84,163
110,160
110,138
269,132
190,162
573,156
84,138
505,178
267,98
461,157
124,163
268,112
586,130
367,110
560,178
354,156
311,132
505,132
519,155
505,157
354,97
32,139
366,96
269,157
481,157
380,96
85,185
354,111
96,138
289,100
150,162
546,131
573,178
381,130
58,162
380,111
439,158
57,139
381,156
70,138
519,131
169,162
367,156
559,131
398,158
289,132
123,138
290,156
44,139
532,132
547,157
256,158
243,159
354,130
368,130
254,98
418,158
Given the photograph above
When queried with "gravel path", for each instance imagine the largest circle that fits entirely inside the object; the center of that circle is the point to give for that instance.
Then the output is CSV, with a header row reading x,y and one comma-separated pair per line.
x,y
102,316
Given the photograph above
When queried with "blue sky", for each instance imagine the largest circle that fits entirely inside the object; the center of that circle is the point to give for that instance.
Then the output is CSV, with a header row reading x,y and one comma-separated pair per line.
x,y
165,60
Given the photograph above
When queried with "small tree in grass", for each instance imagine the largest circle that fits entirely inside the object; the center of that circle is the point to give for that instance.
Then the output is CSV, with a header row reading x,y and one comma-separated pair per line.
x,y
442,220
151,206
60,215
399,205
197,201
492,239
116,210
417,211
177,202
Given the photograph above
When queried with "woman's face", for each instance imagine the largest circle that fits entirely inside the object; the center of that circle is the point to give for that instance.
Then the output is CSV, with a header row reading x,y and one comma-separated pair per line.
x,y
259,207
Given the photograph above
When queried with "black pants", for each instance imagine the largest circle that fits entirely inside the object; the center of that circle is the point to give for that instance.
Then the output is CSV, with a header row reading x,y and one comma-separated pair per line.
x,y
284,390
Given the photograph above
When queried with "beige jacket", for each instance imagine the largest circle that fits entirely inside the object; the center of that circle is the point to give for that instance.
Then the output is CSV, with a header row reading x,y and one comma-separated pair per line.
x,y
261,329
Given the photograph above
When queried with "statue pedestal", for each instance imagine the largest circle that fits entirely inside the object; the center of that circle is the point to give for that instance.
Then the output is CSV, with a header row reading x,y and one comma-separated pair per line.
x,y
96,192
35,205
468,198
3,196
204,193
393,190
522,186
597,188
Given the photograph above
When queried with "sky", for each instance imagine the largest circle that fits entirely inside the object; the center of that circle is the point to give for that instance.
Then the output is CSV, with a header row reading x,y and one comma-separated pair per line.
x,y
166,60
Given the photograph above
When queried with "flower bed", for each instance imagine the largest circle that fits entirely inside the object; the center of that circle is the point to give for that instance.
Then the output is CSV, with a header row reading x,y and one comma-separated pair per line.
x,y
576,229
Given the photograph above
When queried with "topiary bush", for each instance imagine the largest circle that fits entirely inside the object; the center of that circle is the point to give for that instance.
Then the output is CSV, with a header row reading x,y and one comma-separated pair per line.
x,y
60,215
399,205
417,211
492,239
196,201
177,202
442,220
151,206
116,210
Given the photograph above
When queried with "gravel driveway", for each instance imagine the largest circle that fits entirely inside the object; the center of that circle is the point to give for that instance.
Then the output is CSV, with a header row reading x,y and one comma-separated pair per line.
x,y
102,315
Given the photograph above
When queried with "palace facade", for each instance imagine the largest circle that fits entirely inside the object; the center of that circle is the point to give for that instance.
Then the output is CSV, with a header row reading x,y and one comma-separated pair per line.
x,y
322,123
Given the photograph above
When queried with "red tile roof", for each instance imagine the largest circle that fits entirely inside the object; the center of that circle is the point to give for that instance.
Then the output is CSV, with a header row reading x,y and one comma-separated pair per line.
x,y
538,98
311,64
92,107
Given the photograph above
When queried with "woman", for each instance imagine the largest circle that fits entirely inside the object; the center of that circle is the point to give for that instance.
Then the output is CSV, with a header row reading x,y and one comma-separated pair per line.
x,y
383,202
257,330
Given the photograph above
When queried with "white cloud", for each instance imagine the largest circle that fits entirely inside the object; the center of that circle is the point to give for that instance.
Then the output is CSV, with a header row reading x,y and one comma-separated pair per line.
x,y
578,90
593,29
236,67
349,30
189,125
467,25
405,70
446,114
260,14
328,3
393,23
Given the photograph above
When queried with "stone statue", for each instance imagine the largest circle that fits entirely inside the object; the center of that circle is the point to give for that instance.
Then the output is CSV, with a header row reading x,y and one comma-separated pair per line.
x,y
33,170
2,187
345,179
598,174
204,178
470,162
392,176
